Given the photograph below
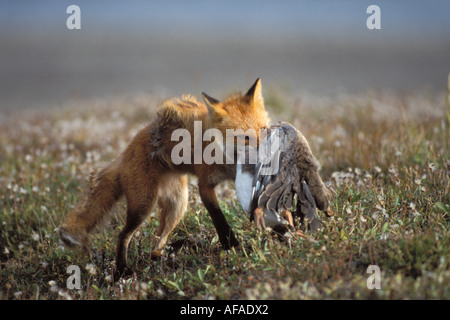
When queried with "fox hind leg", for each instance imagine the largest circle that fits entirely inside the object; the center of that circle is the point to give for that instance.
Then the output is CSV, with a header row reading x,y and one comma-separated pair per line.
x,y
139,207
173,201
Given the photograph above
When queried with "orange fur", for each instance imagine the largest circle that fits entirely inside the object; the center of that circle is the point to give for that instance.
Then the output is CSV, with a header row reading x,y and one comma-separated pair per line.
x,y
145,174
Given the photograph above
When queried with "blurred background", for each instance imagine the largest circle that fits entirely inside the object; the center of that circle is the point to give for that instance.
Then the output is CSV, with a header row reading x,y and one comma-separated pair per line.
x,y
172,47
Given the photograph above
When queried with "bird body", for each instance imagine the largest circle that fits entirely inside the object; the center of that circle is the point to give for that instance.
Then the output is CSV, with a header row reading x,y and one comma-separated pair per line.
x,y
286,172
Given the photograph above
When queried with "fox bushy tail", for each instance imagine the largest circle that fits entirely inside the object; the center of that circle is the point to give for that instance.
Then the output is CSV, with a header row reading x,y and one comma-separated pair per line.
x,y
103,191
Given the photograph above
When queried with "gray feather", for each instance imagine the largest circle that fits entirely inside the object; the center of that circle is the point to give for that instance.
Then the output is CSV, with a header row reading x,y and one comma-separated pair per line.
x,y
277,191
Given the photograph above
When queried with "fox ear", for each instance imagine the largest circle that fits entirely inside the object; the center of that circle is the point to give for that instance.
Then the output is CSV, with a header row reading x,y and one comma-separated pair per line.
x,y
211,103
254,94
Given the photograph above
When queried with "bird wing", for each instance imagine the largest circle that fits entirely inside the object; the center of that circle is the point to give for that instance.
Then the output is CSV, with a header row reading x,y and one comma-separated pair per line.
x,y
307,209
275,192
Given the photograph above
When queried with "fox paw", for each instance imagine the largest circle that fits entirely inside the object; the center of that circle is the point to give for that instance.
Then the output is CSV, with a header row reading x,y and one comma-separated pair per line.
x,y
156,254
122,272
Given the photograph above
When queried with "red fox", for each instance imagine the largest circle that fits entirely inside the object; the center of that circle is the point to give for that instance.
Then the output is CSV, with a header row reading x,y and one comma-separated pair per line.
x,y
145,174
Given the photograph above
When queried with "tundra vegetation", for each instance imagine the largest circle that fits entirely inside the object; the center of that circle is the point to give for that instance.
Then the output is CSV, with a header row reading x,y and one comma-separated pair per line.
x,y
385,155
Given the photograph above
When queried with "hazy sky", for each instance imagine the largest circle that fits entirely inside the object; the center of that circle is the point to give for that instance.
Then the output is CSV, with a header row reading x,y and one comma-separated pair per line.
x,y
328,16
191,46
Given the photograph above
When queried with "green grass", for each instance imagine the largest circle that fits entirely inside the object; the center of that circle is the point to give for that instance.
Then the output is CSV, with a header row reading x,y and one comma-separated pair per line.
x,y
385,156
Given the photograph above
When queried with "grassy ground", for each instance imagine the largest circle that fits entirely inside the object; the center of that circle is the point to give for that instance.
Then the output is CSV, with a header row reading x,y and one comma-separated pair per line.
x,y
385,155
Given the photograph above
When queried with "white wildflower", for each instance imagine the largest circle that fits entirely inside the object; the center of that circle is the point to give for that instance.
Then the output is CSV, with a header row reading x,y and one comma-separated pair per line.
x,y
381,209
384,236
393,170
28,158
339,131
160,293
351,221
342,177
432,167
34,236
65,295
414,212
90,267
337,176
143,286
361,136
53,286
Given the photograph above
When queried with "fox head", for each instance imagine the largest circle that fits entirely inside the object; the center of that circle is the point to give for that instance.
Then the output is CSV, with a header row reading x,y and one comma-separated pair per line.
x,y
238,111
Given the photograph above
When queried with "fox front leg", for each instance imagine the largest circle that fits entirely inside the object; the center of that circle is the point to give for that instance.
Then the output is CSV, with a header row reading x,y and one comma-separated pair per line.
x,y
226,235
